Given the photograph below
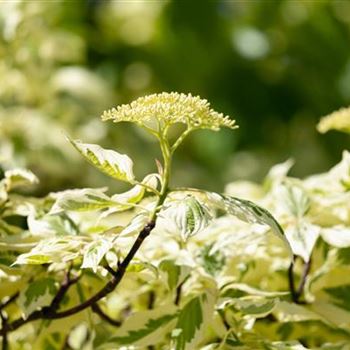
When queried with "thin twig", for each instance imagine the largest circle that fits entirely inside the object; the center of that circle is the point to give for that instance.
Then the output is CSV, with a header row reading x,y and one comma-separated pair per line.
x,y
297,293
107,267
9,300
178,293
66,284
97,310
51,313
291,282
307,267
5,344
151,299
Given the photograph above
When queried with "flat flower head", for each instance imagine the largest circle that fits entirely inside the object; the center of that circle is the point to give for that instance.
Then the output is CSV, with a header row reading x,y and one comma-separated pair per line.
x,y
338,120
166,109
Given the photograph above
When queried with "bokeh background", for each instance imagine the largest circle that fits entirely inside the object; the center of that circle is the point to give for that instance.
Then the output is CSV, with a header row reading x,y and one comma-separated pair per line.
x,y
274,66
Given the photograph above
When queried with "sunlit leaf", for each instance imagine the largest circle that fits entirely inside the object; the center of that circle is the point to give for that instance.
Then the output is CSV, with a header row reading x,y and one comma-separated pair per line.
x,y
94,253
302,238
256,306
144,328
81,200
33,259
134,195
60,249
294,198
112,163
188,216
193,319
249,212
19,177
135,225
277,173
337,236
58,224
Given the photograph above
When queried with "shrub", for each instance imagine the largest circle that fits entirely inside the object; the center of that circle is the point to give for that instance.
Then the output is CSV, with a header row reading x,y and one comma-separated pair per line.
x,y
159,267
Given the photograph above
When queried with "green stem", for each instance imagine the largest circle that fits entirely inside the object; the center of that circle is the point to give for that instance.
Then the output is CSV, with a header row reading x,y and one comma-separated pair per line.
x,y
181,139
166,152
149,188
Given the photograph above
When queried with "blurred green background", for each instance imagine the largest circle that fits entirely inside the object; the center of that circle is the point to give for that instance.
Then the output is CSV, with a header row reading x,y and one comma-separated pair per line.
x,y
274,66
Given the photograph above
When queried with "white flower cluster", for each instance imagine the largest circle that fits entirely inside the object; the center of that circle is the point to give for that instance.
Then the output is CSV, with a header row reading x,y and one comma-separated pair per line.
x,y
168,109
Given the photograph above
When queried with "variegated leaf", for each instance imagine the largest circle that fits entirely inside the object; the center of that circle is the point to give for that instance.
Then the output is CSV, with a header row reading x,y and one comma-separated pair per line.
x,y
60,249
19,177
94,253
134,195
188,216
302,238
81,200
49,225
294,199
144,328
172,273
249,212
253,305
193,320
337,236
112,163
137,223
36,295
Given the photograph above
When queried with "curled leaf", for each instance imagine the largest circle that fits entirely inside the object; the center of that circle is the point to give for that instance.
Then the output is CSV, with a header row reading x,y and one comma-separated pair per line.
x,y
19,177
188,215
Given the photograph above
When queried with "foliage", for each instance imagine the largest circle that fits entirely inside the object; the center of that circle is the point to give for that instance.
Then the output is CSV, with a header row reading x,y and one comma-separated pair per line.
x,y
163,267
276,66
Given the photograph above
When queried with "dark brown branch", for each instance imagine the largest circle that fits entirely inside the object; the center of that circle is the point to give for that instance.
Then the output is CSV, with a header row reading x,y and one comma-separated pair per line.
x,y
107,267
151,300
66,284
5,344
111,285
50,312
291,281
97,310
9,301
297,293
178,293
306,270
223,319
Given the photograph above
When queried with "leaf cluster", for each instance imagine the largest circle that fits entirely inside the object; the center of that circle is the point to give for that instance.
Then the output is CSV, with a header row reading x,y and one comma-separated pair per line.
x,y
176,268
